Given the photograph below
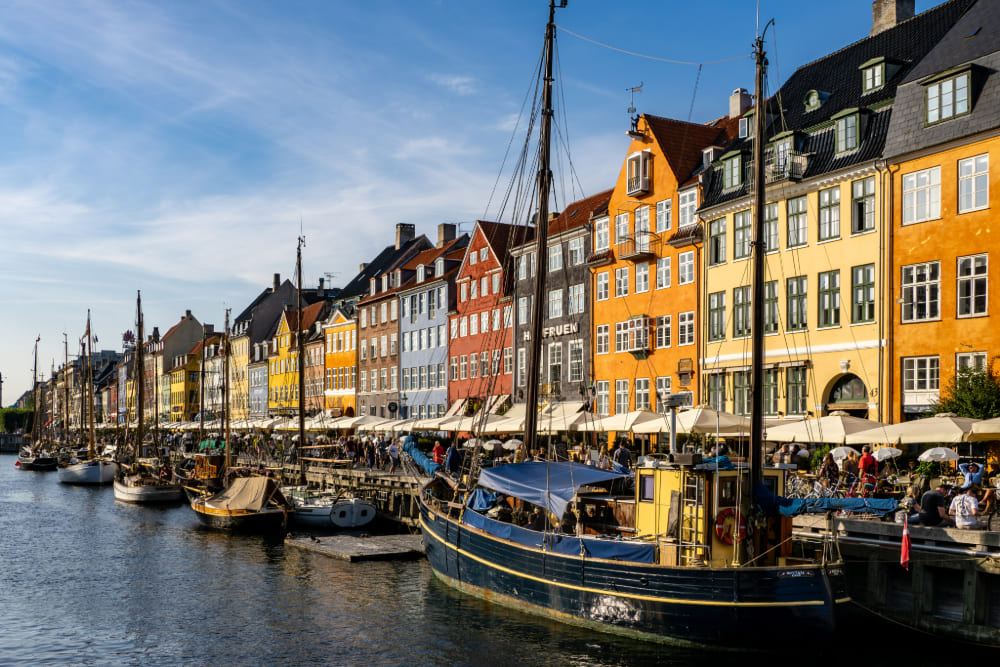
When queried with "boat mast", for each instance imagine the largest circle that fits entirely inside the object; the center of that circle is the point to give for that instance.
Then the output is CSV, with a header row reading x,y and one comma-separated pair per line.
x,y
541,236
66,374
34,398
300,346
139,376
91,447
757,290
201,390
225,387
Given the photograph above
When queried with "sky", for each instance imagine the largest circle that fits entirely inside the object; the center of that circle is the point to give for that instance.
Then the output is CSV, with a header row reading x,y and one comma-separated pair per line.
x,y
180,148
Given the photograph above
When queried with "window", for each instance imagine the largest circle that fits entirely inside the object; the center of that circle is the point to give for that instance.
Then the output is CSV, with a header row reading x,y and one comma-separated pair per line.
x,y
508,321
688,206
621,396
638,173
717,241
717,316
641,277
741,311
741,392
863,293
522,366
495,368
463,292
922,195
829,213
847,133
663,212
685,328
474,289
576,251
522,267
829,299
796,302
621,228
715,389
732,170
972,285
576,361
948,98
555,368
685,267
484,321
473,257
642,229
621,336
364,318
621,281
771,306
663,331
602,286
973,183
603,398
663,273
522,310
463,363
642,393
393,310
484,286
602,339
771,391
872,78
921,292
602,239
483,254
863,205
463,327
576,304
970,361
921,373
798,225
454,368
795,394
742,234
473,325
555,303
555,257
662,392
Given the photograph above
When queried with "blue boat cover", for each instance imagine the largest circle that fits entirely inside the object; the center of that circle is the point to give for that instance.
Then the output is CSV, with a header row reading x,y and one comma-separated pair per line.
x,y
482,500
551,485
774,504
421,459
570,545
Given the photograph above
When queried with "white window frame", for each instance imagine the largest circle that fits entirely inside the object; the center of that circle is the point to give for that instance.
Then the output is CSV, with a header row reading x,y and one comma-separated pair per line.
x,y
974,183
621,281
685,268
921,290
603,286
688,204
921,373
641,277
685,328
663,331
663,273
922,195
948,98
602,339
602,235
664,215
555,303
972,285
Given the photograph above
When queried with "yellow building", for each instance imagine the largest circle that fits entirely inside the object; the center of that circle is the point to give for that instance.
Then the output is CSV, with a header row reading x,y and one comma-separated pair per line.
x,y
185,385
283,361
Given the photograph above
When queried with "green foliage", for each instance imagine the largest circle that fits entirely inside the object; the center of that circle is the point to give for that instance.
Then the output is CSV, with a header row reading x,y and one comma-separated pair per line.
x,y
12,419
929,468
816,460
972,393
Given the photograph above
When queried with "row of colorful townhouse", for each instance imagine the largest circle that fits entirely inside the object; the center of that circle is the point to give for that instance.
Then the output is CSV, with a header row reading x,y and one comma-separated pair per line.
x,y
877,233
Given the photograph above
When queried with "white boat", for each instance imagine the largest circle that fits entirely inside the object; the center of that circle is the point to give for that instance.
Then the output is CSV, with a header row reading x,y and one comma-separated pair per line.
x,y
144,487
328,510
92,471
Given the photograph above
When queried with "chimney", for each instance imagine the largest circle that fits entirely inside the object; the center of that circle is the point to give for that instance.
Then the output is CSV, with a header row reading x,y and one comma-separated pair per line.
x,y
404,233
187,314
739,102
320,290
364,265
277,281
888,14
446,233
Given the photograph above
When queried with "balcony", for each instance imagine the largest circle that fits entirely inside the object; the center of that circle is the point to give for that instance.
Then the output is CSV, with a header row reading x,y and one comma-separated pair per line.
x,y
785,165
640,332
638,246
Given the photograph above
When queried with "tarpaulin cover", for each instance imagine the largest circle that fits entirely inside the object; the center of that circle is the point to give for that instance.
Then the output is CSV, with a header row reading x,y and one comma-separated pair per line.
x,y
245,493
421,459
481,500
773,504
550,485
570,545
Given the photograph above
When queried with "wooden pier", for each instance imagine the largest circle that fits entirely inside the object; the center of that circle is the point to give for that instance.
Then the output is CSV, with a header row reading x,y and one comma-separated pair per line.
x,y
952,588
359,547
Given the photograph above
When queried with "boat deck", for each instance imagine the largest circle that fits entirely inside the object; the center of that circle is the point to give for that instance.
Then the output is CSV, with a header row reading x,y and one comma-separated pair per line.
x,y
356,548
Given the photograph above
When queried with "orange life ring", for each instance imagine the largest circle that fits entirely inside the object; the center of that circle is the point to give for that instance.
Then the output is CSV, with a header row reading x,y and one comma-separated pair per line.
x,y
723,529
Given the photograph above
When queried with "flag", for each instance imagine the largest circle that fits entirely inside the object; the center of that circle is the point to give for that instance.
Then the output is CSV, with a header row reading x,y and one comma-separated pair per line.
x,y
904,550
39,338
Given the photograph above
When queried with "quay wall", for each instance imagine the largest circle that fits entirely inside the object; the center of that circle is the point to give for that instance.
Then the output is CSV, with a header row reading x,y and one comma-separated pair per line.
x,y
10,443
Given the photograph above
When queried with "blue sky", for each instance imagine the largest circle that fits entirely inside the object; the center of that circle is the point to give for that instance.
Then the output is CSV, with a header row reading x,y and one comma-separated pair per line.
x,y
176,147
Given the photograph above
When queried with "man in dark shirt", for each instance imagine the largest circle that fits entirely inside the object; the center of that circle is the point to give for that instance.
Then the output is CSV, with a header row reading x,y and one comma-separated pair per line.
x,y
934,507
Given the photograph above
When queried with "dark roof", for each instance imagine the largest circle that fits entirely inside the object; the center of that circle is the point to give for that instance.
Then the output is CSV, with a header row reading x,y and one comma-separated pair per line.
x,y
838,76
384,261
682,143
974,39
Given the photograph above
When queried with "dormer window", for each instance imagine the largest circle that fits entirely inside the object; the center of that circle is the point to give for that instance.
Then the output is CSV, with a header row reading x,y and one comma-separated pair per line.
x,y
732,171
420,273
948,97
638,166
744,127
385,282
371,285
439,267
872,78
814,99
848,129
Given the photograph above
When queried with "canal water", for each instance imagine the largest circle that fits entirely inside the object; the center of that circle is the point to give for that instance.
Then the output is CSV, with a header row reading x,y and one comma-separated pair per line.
x,y
86,580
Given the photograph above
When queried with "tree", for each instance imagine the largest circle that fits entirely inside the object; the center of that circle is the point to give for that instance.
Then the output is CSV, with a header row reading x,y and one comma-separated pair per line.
x,y
973,392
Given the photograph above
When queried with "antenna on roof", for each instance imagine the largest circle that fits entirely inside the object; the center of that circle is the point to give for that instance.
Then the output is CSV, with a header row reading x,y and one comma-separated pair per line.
x,y
631,108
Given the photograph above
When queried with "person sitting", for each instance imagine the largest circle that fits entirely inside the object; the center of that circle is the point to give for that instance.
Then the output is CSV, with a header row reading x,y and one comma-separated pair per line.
x,y
931,509
829,472
972,473
536,521
964,507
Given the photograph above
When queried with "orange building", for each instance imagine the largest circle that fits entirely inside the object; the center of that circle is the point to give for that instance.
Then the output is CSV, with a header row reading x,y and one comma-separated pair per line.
x,y
341,363
645,266
942,146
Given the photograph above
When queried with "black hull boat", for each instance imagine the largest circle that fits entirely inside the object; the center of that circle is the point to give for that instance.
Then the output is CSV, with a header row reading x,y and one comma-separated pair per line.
x,y
248,504
28,460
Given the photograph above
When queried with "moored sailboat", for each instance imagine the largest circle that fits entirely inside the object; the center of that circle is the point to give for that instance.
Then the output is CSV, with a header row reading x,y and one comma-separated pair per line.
x,y
34,456
680,553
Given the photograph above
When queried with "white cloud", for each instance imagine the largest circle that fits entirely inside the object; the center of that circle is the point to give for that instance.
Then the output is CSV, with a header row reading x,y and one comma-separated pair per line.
x,y
460,85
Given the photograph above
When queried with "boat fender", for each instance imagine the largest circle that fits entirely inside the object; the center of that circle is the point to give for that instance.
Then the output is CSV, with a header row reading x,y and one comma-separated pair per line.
x,y
724,522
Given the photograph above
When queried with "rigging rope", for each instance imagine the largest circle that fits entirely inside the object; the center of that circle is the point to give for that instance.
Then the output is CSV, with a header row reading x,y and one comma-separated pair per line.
x,y
656,58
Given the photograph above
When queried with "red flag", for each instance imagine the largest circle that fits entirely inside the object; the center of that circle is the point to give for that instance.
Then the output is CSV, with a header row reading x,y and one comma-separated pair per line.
x,y
904,551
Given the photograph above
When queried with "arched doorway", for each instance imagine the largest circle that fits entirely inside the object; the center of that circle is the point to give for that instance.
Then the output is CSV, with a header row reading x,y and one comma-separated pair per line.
x,y
849,394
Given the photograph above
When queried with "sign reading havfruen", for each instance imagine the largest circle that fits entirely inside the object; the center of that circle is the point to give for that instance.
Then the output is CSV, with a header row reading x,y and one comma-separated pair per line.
x,y
558,330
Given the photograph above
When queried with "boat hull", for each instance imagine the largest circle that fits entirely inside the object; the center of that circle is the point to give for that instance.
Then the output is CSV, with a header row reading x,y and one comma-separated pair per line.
x,y
147,491
344,513
267,520
94,472
720,607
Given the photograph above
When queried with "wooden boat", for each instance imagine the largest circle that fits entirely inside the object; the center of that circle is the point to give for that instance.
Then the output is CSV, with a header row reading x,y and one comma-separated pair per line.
x,y
248,504
678,554
33,456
